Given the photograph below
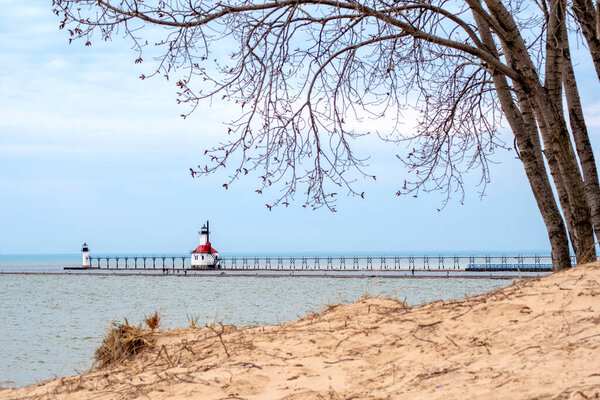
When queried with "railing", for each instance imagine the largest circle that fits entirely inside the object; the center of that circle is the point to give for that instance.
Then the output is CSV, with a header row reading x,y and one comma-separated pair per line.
x,y
387,262
427,262
141,261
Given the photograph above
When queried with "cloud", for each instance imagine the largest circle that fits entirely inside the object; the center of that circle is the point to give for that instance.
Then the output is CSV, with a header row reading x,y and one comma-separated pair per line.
x,y
57,64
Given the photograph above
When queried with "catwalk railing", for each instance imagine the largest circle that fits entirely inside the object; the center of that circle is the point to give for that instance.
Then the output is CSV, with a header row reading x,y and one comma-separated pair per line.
x,y
330,262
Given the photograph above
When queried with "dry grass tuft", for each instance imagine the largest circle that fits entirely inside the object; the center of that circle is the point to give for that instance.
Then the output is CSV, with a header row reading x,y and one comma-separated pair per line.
x,y
153,320
193,320
310,315
122,341
366,296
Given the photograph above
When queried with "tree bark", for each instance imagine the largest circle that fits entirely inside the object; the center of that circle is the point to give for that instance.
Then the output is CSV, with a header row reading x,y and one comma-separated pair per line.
x,y
530,149
556,136
563,196
582,139
587,17
531,156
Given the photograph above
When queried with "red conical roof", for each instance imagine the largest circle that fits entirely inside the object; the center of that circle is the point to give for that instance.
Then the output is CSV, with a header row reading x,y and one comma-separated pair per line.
x,y
205,249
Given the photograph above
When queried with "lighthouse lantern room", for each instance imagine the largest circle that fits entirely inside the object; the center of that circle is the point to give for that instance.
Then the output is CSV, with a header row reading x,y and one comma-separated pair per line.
x,y
204,256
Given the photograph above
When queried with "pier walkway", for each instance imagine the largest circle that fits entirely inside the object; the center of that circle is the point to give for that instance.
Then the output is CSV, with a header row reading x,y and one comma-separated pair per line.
x,y
343,263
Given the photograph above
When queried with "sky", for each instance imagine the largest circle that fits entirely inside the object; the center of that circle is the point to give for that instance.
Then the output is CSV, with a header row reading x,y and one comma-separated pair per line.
x,y
91,153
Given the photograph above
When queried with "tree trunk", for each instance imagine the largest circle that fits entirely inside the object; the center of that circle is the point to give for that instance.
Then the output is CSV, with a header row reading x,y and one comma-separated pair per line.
x,y
582,139
558,144
530,148
587,17
563,195
529,119
556,136
531,156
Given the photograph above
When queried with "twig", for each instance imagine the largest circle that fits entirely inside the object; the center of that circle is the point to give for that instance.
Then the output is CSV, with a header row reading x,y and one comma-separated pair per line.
x,y
340,342
247,364
460,315
453,342
431,324
588,337
526,348
185,346
346,338
424,340
164,349
576,388
587,254
157,357
339,361
220,336
436,373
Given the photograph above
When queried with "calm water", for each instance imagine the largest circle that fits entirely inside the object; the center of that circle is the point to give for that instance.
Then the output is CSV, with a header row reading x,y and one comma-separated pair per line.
x,y
37,262
51,324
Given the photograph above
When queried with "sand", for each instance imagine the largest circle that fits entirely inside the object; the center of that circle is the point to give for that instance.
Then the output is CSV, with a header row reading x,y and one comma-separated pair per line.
x,y
535,339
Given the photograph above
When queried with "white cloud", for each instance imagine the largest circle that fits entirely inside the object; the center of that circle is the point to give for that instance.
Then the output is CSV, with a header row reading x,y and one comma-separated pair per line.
x,y
592,114
57,64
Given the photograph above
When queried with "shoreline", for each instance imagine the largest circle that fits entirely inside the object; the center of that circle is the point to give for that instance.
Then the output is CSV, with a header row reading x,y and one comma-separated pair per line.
x,y
534,339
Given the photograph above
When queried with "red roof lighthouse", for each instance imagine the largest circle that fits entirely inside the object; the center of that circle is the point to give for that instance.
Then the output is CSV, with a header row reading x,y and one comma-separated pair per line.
x,y
205,249
204,256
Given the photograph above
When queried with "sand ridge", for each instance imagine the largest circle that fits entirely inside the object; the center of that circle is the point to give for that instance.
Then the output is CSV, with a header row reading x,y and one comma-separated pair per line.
x,y
535,339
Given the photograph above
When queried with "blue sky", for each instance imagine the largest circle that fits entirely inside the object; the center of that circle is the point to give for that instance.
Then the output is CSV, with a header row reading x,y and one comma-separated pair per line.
x,y
88,152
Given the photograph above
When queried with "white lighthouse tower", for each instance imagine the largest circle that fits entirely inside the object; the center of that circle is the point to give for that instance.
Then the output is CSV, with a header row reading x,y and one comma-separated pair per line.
x,y
85,255
204,256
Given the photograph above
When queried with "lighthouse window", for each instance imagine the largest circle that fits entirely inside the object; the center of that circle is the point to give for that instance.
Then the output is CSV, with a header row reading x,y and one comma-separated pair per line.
x,y
203,257
195,257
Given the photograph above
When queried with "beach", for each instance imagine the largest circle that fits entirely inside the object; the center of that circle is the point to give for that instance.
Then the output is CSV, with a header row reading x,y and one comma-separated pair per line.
x,y
533,339
52,324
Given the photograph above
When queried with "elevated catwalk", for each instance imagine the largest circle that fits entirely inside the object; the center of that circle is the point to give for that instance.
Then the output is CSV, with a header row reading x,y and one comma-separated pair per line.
x,y
481,266
331,273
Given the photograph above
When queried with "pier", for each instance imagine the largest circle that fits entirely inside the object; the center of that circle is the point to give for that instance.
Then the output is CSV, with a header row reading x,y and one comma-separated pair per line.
x,y
205,260
334,263
145,261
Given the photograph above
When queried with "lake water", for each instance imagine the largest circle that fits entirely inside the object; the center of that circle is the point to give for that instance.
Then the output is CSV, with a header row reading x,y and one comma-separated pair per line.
x,y
51,324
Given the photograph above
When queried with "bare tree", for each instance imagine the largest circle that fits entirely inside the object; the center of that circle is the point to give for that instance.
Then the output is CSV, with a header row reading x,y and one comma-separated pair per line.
x,y
304,71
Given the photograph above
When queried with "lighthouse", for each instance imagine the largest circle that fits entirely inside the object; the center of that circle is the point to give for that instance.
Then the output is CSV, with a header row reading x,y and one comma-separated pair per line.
x,y
204,256
85,255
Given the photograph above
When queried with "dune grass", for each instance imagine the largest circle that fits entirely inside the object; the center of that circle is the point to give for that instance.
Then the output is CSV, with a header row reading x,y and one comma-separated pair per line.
x,y
153,320
122,341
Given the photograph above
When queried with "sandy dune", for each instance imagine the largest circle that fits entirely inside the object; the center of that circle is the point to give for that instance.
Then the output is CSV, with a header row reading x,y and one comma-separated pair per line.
x,y
533,340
